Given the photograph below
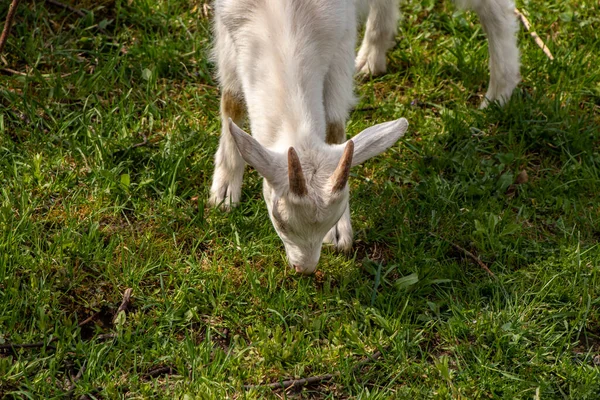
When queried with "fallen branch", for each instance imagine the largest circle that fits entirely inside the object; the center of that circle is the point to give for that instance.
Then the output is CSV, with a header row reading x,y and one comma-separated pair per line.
x,y
13,346
372,358
295,383
313,380
14,72
88,319
19,73
106,336
467,252
67,7
533,34
73,380
142,143
160,371
124,304
95,394
151,140
80,373
7,25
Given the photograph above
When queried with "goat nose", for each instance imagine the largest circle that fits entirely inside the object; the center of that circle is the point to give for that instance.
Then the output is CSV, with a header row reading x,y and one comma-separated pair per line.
x,y
303,271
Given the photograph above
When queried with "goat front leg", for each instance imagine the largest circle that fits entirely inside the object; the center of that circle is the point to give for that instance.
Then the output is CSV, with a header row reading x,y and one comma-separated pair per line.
x,y
226,187
500,25
380,30
339,99
341,234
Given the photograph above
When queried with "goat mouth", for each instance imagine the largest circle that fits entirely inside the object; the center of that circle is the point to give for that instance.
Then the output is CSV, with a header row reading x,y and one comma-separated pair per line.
x,y
303,271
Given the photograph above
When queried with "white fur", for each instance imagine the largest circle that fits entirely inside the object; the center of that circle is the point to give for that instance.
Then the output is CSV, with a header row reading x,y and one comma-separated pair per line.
x,y
497,18
292,62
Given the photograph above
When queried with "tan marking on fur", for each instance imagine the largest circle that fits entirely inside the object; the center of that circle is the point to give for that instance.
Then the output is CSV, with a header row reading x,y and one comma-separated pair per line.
x,y
232,106
335,133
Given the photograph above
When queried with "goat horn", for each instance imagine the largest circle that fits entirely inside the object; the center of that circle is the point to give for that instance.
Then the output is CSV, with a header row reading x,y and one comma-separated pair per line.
x,y
342,172
295,174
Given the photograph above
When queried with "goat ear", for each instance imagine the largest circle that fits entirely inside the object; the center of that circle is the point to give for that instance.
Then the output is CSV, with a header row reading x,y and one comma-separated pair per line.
x,y
260,158
377,139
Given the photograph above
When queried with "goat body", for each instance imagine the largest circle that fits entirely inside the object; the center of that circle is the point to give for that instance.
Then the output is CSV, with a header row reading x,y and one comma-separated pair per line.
x,y
290,65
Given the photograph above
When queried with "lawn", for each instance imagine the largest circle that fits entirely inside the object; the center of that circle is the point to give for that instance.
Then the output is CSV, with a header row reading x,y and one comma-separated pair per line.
x,y
108,125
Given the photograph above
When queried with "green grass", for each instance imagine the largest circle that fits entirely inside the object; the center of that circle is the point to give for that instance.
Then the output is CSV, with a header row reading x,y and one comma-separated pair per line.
x,y
86,213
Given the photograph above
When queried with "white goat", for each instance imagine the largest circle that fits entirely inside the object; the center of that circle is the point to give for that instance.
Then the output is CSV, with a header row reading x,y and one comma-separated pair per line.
x,y
497,18
290,64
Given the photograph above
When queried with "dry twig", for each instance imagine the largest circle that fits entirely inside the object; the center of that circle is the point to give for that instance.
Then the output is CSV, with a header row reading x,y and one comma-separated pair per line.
x,y
13,346
140,144
105,336
467,252
534,35
7,25
14,72
313,380
73,379
124,303
372,358
19,73
160,371
66,7
88,319
296,383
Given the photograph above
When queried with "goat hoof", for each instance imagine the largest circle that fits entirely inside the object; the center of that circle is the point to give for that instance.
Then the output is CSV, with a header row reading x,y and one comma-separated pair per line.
x,y
501,94
370,64
342,241
223,198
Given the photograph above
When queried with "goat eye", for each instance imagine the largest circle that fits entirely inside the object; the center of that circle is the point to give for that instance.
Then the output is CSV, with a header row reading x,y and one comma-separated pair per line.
x,y
279,224
277,220
280,227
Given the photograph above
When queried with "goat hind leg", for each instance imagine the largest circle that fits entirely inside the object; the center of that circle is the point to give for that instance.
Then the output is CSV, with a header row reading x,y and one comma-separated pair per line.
x,y
500,25
226,187
380,30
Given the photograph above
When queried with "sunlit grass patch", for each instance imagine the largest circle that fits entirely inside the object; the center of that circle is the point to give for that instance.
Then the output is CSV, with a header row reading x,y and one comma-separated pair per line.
x,y
107,135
